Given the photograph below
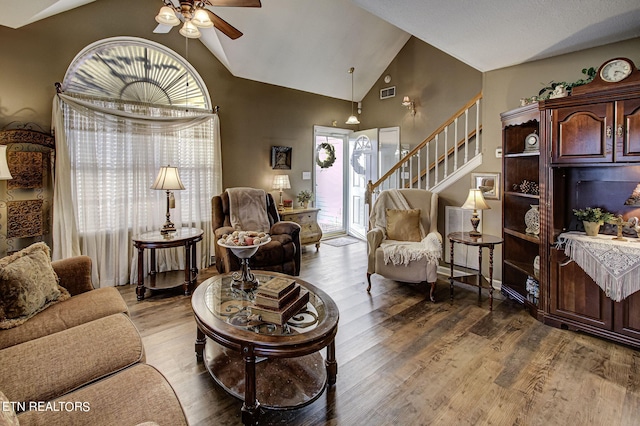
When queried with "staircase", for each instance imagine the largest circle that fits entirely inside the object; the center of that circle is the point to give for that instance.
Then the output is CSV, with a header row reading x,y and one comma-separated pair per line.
x,y
450,152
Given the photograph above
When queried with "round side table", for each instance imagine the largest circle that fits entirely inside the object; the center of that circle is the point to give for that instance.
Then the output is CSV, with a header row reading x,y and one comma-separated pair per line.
x,y
482,241
187,237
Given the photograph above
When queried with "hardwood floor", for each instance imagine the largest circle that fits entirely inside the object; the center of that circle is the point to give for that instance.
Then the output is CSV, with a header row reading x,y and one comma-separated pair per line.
x,y
403,360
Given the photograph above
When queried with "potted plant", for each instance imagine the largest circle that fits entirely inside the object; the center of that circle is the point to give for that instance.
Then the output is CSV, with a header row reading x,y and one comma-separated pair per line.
x,y
304,197
592,219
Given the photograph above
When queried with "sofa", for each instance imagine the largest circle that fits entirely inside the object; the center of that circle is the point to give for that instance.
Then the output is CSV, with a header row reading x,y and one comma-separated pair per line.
x,y
80,360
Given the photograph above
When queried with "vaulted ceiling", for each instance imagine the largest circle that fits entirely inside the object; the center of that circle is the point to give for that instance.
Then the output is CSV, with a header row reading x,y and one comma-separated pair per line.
x,y
310,45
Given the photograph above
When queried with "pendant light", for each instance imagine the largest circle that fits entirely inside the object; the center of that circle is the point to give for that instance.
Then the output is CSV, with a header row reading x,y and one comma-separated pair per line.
x,y
352,118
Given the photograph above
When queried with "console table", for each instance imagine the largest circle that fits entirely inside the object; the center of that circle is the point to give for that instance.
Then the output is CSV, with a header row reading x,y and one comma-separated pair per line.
x,y
187,237
310,232
483,241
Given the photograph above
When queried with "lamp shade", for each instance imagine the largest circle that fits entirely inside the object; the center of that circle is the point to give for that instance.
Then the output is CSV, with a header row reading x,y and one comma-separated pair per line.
x,y
475,201
281,182
5,174
167,16
201,19
168,179
189,30
406,101
352,120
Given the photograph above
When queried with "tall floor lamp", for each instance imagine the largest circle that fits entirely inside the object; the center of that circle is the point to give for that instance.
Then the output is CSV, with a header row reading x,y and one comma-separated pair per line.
x,y
168,180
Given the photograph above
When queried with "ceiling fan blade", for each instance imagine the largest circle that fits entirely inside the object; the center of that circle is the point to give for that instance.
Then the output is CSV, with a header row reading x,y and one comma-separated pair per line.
x,y
236,3
226,28
162,29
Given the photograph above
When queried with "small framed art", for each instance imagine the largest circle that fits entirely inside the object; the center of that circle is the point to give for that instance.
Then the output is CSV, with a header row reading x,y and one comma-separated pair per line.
x,y
281,157
488,183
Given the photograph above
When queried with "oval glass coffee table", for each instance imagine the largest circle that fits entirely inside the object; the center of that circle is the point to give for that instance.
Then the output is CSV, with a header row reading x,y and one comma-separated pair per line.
x,y
276,367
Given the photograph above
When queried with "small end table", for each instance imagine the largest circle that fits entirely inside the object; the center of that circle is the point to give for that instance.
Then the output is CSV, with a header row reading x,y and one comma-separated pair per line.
x,y
307,218
484,240
187,237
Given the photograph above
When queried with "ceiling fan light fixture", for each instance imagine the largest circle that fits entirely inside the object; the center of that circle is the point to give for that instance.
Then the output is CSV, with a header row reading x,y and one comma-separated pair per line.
x,y
167,16
201,19
189,30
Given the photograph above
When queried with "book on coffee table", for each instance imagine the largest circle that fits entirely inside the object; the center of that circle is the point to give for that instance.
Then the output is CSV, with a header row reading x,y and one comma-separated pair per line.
x,y
281,316
267,301
276,287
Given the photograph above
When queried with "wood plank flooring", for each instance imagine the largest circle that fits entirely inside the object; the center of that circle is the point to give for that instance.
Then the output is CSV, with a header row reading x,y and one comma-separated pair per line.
x,y
403,360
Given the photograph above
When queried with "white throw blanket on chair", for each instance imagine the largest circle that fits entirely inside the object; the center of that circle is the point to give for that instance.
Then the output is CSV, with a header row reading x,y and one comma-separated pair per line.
x,y
248,209
400,252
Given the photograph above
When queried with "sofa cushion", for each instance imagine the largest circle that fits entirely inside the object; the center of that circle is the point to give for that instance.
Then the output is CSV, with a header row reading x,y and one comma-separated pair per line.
x,y
28,284
80,309
403,225
135,395
8,415
48,367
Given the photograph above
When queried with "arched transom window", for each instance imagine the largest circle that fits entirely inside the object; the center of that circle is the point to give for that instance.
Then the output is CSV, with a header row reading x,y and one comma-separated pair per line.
x,y
130,69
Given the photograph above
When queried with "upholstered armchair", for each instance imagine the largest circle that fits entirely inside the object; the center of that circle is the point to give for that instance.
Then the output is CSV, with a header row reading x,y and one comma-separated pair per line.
x,y
403,243
282,254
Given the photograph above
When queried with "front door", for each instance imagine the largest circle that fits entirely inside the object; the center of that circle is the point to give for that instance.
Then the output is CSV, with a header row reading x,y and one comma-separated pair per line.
x,y
362,168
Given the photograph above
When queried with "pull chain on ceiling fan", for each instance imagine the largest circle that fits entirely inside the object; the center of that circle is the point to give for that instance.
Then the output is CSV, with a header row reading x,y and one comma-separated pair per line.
x,y
195,15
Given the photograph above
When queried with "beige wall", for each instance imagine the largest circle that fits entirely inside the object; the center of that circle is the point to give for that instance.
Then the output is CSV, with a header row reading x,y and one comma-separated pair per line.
x,y
439,85
255,116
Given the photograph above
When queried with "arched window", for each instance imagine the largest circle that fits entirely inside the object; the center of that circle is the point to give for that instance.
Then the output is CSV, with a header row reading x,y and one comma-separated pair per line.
x,y
126,107
134,70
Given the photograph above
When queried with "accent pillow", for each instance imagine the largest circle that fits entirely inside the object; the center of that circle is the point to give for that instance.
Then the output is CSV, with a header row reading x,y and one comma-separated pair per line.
x,y
403,225
28,284
8,416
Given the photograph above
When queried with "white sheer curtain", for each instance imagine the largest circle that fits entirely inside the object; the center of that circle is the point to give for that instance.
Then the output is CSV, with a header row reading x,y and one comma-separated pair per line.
x,y
108,154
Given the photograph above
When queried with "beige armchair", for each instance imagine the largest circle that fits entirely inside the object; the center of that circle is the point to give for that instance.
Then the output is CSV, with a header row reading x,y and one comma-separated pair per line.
x,y
403,243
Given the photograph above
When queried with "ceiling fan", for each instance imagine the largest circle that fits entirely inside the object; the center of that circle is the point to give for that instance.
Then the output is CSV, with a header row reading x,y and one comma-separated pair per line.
x,y
195,15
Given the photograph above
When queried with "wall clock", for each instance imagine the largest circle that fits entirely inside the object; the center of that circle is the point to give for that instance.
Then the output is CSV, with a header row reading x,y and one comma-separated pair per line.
x,y
615,70
532,143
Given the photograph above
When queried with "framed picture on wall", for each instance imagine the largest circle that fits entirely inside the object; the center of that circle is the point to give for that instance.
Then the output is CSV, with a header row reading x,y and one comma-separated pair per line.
x,y
281,157
488,183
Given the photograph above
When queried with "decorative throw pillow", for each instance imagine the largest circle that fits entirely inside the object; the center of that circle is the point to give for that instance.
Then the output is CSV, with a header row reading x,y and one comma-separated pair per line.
x,y
28,284
8,415
403,225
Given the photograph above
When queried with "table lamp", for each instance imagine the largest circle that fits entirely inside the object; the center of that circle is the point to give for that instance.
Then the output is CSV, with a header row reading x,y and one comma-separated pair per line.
x,y
281,182
475,201
168,180
5,174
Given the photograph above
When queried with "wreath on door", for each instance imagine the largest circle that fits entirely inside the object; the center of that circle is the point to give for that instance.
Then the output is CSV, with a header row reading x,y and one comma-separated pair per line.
x,y
361,147
330,155
355,161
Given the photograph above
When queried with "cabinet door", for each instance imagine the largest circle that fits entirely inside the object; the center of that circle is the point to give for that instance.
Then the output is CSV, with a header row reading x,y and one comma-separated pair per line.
x,y
628,130
583,134
627,316
574,295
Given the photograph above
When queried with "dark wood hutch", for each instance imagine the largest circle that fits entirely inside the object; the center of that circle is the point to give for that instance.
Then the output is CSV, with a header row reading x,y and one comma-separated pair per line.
x,y
589,156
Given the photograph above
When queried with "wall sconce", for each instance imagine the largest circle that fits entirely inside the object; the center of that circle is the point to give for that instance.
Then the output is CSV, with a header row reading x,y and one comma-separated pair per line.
x,y
411,106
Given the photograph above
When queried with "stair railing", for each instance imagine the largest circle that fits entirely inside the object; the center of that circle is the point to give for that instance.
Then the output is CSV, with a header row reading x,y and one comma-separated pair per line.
x,y
435,163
